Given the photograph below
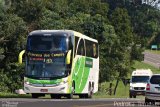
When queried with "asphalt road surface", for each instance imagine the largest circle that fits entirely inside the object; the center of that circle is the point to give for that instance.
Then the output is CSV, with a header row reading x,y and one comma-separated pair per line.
x,y
107,102
151,58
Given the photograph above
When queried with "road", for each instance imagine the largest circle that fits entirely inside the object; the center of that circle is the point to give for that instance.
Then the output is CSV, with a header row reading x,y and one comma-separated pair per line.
x,y
106,102
151,58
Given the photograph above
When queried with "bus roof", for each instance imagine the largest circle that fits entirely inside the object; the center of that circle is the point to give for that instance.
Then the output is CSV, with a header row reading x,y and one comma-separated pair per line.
x,y
61,31
83,36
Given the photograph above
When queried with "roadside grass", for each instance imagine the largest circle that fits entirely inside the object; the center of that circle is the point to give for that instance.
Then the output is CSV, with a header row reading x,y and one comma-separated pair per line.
x,y
122,90
13,95
142,65
153,51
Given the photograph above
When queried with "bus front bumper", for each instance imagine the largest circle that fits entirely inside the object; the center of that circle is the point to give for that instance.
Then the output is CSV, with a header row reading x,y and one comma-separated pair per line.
x,y
57,89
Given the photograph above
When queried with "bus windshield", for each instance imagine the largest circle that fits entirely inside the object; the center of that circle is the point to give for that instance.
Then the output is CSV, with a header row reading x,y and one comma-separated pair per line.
x,y
141,79
47,70
46,43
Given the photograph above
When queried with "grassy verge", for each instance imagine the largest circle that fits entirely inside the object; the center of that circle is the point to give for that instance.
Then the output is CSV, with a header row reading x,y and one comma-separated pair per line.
x,y
122,90
12,95
154,51
142,65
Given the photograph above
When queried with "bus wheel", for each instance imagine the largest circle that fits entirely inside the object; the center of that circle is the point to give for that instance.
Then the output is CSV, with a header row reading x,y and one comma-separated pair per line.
x,y
90,92
82,95
70,96
35,95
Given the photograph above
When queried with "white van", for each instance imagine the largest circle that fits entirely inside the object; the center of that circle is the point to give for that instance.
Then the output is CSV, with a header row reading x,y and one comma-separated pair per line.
x,y
138,82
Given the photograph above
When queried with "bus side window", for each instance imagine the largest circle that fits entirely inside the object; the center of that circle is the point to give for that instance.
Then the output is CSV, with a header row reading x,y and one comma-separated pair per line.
x,y
81,48
70,45
91,49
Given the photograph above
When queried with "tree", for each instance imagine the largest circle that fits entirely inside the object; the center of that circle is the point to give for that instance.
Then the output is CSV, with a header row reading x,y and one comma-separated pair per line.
x,y
13,32
108,54
145,22
50,20
121,22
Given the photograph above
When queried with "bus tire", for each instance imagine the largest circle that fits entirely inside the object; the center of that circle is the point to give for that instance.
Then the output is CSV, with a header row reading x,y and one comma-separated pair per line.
x,y
82,95
90,91
70,96
35,95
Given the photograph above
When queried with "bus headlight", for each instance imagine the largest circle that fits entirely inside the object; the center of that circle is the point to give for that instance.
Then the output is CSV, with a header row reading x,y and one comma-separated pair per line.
x,y
63,82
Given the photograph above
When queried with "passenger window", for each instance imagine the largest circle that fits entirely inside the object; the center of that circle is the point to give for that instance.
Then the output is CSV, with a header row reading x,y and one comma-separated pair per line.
x,y
70,43
81,50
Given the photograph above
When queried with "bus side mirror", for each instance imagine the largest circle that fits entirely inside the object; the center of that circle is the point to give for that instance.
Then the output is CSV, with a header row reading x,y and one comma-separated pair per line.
x,y
20,56
68,57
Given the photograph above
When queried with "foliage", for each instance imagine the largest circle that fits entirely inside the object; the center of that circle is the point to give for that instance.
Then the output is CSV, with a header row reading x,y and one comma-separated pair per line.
x,y
145,22
12,40
12,80
3,82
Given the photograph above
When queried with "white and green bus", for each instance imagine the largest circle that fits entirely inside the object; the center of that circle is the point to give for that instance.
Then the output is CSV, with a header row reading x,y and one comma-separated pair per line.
x,y
60,63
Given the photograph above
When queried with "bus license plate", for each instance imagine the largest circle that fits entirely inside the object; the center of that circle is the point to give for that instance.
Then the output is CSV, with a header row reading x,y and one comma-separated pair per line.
x,y
44,90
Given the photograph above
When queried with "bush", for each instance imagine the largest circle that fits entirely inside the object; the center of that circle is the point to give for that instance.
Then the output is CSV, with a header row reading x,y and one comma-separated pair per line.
x,y
11,78
3,82
104,87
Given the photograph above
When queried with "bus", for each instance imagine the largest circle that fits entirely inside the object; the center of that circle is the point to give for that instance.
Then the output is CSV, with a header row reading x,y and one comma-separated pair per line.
x,y
61,63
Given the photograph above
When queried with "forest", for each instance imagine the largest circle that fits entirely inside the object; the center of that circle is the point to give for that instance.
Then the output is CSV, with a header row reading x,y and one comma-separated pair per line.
x,y
123,28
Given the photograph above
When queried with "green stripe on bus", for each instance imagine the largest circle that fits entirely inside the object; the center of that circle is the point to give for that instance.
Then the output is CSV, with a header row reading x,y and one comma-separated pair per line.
x,y
34,81
80,75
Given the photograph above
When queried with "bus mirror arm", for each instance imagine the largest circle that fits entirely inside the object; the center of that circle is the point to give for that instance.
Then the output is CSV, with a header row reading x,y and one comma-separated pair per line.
x,y
68,57
21,56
